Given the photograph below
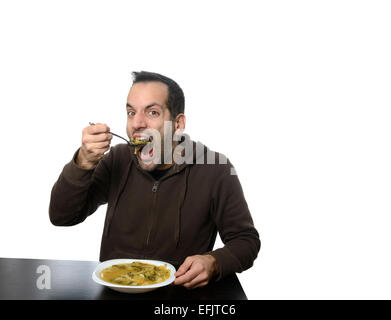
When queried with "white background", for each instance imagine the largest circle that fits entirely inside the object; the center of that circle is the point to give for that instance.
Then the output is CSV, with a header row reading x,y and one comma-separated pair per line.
x,y
308,81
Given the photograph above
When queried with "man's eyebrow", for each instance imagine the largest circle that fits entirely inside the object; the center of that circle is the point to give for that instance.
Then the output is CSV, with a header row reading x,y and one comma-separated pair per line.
x,y
148,106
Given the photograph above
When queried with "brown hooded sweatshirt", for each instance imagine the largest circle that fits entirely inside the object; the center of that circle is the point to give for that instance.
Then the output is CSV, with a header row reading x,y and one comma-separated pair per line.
x,y
169,219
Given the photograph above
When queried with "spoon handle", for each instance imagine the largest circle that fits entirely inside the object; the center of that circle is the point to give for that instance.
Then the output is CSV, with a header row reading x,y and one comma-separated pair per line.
x,y
128,142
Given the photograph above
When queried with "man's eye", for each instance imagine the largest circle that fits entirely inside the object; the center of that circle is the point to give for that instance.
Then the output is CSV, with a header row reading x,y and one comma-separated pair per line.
x,y
153,113
131,113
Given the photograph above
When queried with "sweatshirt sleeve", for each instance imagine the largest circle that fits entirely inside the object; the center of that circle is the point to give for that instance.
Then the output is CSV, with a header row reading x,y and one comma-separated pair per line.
x,y
235,225
79,192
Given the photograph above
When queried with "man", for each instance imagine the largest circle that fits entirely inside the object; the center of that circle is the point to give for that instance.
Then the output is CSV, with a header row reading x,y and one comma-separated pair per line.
x,y
167,200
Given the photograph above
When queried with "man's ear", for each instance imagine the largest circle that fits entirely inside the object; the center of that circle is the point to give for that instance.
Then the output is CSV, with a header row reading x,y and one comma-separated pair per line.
x,y
180,121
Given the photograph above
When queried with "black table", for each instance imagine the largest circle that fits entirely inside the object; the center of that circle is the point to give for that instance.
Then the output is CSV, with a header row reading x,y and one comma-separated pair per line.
x,y
71,280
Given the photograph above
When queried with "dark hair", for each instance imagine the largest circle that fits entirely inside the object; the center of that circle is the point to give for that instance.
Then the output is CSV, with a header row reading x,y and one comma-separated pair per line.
x,y
176,98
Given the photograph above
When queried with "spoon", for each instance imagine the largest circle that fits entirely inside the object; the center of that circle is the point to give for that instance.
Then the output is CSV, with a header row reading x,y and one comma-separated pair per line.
x,y
118,136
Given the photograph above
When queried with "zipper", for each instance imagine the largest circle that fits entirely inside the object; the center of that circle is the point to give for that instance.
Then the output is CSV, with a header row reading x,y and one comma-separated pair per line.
x,y
154,190
155,186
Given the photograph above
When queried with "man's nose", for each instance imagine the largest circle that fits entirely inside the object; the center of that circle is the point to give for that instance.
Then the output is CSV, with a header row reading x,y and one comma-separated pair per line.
x,y
139,121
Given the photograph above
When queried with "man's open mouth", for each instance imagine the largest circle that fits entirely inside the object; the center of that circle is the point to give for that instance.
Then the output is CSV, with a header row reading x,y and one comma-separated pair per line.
x,y
140,143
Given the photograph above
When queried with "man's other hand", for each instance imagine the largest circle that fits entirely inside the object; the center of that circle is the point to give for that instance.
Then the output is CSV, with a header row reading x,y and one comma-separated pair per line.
x,y
196,271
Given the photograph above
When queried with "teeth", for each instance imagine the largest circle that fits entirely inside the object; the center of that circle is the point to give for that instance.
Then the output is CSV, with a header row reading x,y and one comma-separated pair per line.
x,y
140,140
143,138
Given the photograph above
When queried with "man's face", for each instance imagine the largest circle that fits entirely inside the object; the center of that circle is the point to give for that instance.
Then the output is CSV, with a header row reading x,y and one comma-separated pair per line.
x,y
147,109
